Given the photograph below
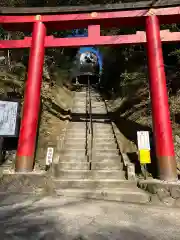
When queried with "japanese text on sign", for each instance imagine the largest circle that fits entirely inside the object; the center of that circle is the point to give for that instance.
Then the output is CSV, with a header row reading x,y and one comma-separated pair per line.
x,y
8,118
143,140
49,156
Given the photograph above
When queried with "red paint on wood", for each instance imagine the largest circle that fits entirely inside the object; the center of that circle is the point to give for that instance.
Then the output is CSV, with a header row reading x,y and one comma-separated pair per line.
x,y
105,19
50,41
159,98
27,137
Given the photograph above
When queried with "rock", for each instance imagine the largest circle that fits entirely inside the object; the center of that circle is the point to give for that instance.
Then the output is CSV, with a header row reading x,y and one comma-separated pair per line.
x,y
169,201
175,192
142,186
178,153
177,139
152,188
177,202
163,193
155,200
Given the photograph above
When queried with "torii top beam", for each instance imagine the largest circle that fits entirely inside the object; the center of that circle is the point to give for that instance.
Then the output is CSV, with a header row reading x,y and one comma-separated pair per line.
x,y
130,5
93,21
83,20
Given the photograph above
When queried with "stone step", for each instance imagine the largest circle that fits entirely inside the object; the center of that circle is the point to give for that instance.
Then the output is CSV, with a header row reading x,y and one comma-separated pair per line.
x,y
106,154
76,128
79,111
98,111
82,101
81,130
99,133
73,152
77,124
106,165
106,151
75,135
105,132
83,125
73,165
91,174
95,104
103,141
74,145
98,106
102,126
93,183
108,148
76,159
96,100
100,130
74,140
81,92
79,108
108,145
102,135
130,195
79,104
101,159
79,99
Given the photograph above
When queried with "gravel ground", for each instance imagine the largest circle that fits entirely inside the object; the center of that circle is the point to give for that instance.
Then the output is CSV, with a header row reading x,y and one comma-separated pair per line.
x,y
25,217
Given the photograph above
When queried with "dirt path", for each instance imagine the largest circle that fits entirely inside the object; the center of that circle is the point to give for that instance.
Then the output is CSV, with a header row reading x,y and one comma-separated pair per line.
x,y
75,219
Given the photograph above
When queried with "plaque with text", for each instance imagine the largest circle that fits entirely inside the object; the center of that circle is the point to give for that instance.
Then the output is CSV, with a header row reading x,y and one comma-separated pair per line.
x,y
9,118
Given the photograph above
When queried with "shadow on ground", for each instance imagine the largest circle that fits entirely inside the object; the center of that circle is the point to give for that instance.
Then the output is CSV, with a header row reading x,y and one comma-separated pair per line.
x,y
129,129
33,219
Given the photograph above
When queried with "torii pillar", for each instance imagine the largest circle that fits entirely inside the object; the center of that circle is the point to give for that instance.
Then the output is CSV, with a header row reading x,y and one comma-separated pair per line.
x,y
159,100
29,123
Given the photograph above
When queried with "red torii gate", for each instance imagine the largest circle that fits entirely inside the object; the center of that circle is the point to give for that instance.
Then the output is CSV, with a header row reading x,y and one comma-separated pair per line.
x,y
152,37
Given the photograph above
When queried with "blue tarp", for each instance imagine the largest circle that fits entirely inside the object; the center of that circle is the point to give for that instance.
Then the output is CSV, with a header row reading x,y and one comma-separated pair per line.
x,y
76,33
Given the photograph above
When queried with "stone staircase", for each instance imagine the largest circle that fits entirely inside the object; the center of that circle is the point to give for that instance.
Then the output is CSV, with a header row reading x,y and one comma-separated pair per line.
x,y
100,176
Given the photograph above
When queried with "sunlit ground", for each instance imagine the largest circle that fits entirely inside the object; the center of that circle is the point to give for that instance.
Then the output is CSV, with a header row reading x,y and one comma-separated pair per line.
x,y
23,217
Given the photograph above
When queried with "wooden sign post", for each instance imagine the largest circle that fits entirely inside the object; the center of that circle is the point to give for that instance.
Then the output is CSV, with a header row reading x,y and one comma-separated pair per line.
x,y
144,150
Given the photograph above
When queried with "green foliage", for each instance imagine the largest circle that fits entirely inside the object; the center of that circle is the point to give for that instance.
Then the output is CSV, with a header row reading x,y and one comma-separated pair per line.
x,y
124,67
2,33
175,53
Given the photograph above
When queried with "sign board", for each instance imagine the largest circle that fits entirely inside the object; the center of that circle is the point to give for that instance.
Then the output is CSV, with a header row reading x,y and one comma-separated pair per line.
x,y
49,156
143,140
144,147
8,118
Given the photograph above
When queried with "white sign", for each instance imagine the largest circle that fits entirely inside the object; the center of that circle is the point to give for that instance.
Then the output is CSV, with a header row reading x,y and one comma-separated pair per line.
x,y
143,140
49,156
8,117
